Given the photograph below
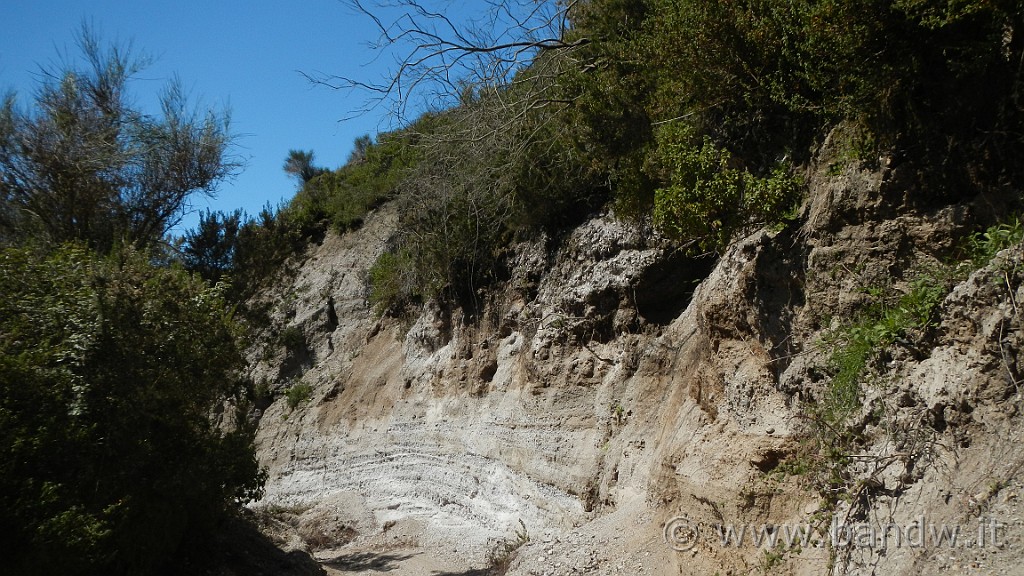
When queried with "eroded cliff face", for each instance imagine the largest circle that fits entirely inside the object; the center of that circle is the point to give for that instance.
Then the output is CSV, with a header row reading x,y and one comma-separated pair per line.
x,y
611,384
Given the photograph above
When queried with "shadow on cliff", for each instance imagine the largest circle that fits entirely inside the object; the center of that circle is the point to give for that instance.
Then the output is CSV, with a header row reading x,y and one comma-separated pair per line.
x,y
367,561
238,547
665,288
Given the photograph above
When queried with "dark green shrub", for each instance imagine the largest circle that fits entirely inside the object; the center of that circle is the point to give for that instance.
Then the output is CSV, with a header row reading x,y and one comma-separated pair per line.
x,y
292,339
109,371
210,249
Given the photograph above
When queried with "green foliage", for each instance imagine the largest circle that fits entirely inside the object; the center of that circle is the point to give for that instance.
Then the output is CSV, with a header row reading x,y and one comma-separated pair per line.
x,y
297,394
770,559
455,205
262,395
292,338
263,244
83,165
855,145
210,248
480,179
553,183
708,200
704,196
689,114
888,320
378,167
881,325
767,79
340,199
392,283
249,251
299,164
608,120
109,372
983,246
242,251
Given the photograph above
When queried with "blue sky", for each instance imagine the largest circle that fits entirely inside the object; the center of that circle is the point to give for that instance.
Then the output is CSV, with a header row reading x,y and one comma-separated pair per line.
x,y
246,55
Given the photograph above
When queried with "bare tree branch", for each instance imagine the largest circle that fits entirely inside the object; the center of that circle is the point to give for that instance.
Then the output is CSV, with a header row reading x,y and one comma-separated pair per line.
x,y
437,57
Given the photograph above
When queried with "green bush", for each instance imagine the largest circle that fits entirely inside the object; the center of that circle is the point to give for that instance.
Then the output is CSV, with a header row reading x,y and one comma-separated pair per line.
x,y
456,205
292,339
210,249
85,163
706,199
392,283
932,81
340,199
109,372
297,394
243,252
689,114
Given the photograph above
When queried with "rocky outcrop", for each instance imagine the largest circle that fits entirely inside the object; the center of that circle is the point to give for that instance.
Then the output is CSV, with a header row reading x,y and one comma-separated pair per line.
x,y
612,384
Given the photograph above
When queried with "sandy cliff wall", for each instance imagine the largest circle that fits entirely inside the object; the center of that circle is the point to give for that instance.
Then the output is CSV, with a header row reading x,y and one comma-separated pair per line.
x,y
612,384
